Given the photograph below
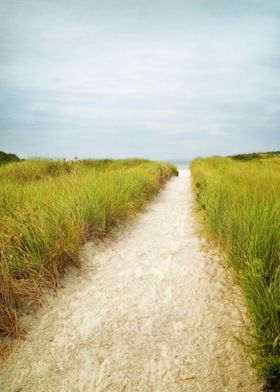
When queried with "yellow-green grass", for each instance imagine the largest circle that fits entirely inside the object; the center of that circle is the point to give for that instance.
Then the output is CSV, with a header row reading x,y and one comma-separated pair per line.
x,y
48,209
241,205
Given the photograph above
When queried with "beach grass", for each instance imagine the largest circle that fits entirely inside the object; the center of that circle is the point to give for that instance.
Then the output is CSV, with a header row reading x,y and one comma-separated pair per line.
x,y
240,201
48,209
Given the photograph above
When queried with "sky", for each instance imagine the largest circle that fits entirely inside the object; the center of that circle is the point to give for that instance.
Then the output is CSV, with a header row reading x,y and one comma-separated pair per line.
x,y
161,79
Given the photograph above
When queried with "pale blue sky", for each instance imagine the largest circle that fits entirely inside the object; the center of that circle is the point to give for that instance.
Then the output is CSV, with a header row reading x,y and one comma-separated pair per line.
x,y
160,79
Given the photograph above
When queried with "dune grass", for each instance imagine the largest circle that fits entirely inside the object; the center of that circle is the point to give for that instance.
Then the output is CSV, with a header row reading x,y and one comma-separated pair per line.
x,y
48,209
241,205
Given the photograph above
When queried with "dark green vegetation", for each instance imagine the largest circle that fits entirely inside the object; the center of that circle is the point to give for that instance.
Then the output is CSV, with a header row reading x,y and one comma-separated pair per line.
x,y
7,158
256,155
241,205
48,209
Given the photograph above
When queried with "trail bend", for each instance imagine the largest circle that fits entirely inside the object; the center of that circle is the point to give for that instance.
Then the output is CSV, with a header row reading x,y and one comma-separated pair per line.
x,y
151,310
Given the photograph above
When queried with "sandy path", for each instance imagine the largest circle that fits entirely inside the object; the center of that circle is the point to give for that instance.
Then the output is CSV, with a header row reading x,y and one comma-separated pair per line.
x,y
151,311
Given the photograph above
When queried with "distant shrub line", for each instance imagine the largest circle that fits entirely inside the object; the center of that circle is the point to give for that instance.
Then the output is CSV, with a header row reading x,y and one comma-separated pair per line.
x,y
7,158
255,155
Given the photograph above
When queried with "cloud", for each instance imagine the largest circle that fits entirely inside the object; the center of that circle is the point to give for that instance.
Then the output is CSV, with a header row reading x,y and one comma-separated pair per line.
x,y
153,79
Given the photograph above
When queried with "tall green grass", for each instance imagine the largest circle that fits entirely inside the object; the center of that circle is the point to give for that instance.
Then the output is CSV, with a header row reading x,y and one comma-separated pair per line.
x,y
49,208
241,203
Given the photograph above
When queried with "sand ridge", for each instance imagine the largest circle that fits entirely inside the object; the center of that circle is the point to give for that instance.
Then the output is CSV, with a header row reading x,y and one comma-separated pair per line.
x,y
149,311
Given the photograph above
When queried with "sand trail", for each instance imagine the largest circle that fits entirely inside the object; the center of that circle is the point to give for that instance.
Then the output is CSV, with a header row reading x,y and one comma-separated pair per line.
x,y
149,311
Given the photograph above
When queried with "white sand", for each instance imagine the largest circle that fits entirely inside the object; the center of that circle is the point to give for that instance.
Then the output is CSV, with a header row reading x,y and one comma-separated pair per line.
x,y
150,311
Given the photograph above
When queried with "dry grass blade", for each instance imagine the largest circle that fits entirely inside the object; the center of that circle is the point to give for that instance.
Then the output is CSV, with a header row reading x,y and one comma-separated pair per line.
x,y
9,322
